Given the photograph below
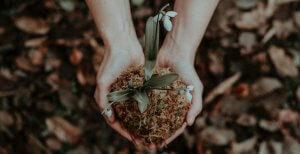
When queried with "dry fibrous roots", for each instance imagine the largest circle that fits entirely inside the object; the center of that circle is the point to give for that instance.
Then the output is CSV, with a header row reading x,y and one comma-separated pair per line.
x,y
165,114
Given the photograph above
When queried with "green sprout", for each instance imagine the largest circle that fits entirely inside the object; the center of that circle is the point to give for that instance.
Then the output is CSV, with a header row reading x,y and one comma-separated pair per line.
x,y
152,81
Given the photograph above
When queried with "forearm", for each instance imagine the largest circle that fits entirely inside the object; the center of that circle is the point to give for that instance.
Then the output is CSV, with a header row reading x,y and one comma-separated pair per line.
x,y
113,20
189,26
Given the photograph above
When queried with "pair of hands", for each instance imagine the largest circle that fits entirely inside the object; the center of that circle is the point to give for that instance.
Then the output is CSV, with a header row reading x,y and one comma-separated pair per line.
x,y
119,58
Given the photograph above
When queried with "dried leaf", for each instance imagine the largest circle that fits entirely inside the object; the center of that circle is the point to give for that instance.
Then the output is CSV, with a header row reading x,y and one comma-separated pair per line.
x,y
118,96
63,130
265,85
75,56
53,144
245,146
283,63
151,46
161,81
35,42
252,20
143,100
222,87
218,136
137,2
246,4
247,40
6,119
246,120
24,63
67,5
270,126
32,25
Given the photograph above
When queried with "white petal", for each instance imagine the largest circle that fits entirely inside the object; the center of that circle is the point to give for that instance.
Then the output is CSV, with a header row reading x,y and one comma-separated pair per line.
x,y
167,23
108,112
189,96
190,88
171,13
159,16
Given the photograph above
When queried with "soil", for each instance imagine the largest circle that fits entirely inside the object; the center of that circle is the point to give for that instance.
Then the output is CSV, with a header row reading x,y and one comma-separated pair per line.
x,y
165,114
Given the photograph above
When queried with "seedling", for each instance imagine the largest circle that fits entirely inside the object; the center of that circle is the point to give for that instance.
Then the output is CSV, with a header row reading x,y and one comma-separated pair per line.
x,y
151,81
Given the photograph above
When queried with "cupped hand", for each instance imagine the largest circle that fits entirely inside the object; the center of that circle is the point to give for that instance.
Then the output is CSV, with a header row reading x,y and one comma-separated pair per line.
x,y
115,61
184,66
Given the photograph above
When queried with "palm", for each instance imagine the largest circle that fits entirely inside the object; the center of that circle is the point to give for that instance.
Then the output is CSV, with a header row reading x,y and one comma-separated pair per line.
x,y
112,66
184,67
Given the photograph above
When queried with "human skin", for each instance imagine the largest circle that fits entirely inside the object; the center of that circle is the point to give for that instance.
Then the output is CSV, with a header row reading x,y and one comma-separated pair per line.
x,y
113,20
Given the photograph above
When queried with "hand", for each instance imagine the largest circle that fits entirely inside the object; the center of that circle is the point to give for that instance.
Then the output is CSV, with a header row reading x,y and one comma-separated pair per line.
x,y
182,64
117,58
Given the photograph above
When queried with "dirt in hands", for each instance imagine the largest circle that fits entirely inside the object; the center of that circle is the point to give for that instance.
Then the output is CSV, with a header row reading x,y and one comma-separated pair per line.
x,y
164,115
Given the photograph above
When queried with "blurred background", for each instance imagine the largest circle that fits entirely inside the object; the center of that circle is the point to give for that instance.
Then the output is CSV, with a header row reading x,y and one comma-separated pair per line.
x,y
248,62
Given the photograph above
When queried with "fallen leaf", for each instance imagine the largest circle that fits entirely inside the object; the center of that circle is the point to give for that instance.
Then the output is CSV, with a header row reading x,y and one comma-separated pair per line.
x,y
246,120
6,119
263,149
247,40
246,4
242,90
32,25
291,147
276,147
67,5
37,55
137,2
288,116
24,63
283,63
35,42
233,106
216,65
271,102
76,56
245,146
67,98
63,129
53,144
270,126
222,87
284,28
217,136
253,19
265,85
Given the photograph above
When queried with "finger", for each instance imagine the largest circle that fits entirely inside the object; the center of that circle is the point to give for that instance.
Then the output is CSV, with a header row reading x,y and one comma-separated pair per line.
x,y
117,126
176,134
101,98
196,104
190,77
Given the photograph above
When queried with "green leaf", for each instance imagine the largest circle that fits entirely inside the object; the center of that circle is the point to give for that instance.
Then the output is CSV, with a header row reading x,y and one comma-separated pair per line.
x,y
118,96
151,46
161,81
143,99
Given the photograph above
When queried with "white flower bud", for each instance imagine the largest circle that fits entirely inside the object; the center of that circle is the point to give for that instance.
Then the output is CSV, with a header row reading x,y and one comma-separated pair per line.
x,y
167,23
190,87
171,14
108,112
189,96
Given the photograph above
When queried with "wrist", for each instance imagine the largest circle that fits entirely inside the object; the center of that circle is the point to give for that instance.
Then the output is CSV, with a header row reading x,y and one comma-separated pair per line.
x,y
178,50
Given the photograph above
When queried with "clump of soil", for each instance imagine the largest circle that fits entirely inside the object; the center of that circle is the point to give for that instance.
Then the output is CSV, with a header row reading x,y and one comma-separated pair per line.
x,y
165,114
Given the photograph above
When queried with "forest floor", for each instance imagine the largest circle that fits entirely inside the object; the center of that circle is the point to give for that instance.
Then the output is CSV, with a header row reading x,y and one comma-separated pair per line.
x,y
248,61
